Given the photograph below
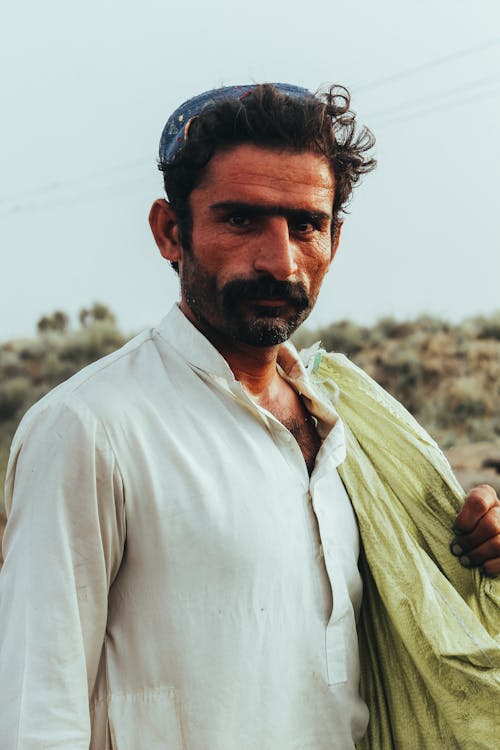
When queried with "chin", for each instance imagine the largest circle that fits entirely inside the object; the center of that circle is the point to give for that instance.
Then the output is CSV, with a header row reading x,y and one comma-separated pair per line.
x,y
265,331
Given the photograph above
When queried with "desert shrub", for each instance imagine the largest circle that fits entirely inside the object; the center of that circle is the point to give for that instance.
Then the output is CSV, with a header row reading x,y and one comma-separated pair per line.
x,y
486,327
13,395
345,337
479,430
58,321
10,364
402,374
91,342
98,312
431,324
464,400
55,370
390,328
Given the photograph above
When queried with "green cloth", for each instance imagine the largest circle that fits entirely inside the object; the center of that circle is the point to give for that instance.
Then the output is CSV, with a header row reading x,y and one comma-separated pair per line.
x,y
429,628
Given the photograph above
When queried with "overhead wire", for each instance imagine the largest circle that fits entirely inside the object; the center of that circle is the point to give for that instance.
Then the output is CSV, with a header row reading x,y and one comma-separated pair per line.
x,y
440,95
428,65
451,105
133,184
54,189
68,182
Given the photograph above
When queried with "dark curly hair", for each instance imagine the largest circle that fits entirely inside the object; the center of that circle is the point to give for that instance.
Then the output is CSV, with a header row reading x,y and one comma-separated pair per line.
x,y
323,124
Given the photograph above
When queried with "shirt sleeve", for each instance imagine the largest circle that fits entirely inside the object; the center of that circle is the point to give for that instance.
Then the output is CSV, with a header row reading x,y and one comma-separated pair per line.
x,y
63,545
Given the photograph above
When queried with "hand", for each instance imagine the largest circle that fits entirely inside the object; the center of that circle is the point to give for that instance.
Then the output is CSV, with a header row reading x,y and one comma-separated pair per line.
x,y
477,531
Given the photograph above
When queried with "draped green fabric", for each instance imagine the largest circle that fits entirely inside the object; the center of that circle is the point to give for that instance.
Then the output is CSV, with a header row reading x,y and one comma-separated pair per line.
x,y
429,629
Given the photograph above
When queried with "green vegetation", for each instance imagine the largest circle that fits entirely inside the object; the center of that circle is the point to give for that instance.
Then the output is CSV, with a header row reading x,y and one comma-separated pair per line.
x,y
447,375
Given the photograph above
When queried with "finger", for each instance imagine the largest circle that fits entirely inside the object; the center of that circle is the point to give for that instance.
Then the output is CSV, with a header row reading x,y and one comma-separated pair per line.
x,y
485,553
477,503
491,568
487,527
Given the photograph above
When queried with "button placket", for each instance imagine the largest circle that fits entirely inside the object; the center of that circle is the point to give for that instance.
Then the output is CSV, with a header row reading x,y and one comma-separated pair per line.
x,y
335,636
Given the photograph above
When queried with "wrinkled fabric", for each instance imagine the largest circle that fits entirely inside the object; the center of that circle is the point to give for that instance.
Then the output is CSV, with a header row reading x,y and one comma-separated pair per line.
x,y
176,130
169,561
429,628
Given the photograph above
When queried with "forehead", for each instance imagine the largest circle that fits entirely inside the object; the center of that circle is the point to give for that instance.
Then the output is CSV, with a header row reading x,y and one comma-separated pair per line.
x,y
269,176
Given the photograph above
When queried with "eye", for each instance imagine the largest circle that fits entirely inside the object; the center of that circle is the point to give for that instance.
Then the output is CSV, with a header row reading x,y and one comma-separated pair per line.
x,y
239,220
304,225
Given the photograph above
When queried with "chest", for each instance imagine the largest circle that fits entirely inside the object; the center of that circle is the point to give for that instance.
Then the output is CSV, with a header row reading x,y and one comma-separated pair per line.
x,y
294,416
306,435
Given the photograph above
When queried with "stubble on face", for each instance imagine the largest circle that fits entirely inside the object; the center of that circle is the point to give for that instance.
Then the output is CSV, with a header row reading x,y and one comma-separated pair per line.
x,y
259,246
236,311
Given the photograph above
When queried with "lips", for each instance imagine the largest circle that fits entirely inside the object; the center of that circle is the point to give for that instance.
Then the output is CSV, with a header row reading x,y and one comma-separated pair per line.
x,y
269,302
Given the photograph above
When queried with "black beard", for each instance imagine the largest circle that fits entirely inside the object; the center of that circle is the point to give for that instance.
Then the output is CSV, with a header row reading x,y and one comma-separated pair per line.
x,y
269,327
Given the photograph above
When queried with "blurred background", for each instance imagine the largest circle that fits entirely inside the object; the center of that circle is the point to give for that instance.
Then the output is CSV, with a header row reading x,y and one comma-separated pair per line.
x,y
413,292
87,88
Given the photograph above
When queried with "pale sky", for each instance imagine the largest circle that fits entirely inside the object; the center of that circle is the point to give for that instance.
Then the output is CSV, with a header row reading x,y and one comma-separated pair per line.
x,y
87,88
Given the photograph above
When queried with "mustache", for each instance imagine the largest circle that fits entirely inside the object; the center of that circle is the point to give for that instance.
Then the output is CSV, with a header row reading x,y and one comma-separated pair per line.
x,y
265,287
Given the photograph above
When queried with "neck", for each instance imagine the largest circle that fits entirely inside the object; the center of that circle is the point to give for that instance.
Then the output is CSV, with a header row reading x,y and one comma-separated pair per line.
x,y
253,366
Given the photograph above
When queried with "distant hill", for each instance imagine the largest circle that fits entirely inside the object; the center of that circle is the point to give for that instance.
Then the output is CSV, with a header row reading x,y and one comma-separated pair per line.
x,y
447,375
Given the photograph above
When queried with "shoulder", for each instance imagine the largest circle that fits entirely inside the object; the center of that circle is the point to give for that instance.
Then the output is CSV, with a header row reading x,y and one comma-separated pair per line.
x,y
96,391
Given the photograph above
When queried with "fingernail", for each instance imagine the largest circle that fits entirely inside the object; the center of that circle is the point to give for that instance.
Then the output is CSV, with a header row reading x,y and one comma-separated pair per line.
x,y
465,561
456,549
457,531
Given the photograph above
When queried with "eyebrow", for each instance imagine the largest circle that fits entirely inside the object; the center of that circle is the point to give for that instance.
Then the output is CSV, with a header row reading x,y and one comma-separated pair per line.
x,y
258,209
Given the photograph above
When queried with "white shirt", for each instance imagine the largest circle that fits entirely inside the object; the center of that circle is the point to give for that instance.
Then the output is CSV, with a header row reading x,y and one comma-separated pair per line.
x,y
169,561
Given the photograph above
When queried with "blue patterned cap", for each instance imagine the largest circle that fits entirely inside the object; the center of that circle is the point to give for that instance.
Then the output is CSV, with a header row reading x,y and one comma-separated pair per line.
x,y
175,131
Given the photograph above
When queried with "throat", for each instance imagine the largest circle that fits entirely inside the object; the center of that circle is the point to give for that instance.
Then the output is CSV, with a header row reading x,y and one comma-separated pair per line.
x,y
287,406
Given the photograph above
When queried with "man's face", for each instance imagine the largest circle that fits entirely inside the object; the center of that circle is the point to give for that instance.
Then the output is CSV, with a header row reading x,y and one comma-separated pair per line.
x,y
260,245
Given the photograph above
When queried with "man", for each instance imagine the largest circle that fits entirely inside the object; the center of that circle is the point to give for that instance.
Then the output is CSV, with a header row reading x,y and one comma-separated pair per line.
x,y
181,554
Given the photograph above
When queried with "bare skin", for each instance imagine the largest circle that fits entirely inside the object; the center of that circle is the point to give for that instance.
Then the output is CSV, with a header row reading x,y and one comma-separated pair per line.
x,y
477,531
284,403
261,212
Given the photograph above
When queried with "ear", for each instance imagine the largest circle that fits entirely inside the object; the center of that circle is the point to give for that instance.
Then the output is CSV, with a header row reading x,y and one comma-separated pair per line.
x,y
336,239
163,223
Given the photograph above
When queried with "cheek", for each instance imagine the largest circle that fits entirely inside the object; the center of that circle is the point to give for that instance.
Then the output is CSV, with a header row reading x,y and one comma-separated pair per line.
x,y
317,264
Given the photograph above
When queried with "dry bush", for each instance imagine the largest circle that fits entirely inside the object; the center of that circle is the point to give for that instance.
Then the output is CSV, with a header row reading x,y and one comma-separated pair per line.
x,y
14,394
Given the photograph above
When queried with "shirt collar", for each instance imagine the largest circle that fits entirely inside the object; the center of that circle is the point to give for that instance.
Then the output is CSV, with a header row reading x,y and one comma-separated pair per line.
x,y
192,345
197,350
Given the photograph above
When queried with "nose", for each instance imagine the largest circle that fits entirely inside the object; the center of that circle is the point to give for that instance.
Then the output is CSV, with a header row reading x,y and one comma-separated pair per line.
x,y
276,254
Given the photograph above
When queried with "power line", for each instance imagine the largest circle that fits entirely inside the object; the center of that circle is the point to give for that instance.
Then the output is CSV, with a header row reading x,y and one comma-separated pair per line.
x,y
440,95
57,185
480,95
54,189
133,184
434,63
